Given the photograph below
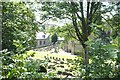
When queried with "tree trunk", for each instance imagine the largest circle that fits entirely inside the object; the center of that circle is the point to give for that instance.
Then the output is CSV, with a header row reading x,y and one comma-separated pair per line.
x,y
86,55
86,60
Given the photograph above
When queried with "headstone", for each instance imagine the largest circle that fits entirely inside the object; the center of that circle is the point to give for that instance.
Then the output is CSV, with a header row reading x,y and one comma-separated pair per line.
x,y
42,69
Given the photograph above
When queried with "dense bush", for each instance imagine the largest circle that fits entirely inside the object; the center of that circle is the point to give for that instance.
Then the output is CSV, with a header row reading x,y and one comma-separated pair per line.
x,y
18,36
22,66
18,27
103,61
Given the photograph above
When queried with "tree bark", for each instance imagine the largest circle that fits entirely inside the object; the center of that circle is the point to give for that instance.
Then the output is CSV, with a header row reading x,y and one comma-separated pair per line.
x,y
86,55
82,39
85,28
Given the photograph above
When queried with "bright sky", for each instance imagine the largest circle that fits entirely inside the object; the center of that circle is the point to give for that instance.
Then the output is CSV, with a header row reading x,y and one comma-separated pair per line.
x,y
58,22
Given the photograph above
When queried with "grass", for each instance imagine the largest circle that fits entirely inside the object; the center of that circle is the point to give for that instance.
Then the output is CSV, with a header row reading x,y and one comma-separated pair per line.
x,y
66,64
41,55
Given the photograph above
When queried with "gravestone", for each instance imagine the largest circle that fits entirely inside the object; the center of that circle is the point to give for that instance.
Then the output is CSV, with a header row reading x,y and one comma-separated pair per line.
x,y
42,69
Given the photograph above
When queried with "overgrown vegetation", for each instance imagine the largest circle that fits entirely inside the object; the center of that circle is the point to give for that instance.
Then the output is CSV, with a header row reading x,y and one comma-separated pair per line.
x,y
22,66
18,36
102,50
103,61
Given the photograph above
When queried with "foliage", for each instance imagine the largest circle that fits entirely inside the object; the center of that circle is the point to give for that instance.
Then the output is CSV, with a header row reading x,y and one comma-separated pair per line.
x,y
80,17
19,27
66,31
54,38
18,36
112,19
103,60
22,66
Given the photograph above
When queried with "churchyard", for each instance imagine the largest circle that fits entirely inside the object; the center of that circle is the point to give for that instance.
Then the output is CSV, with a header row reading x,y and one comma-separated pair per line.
x,y
61,63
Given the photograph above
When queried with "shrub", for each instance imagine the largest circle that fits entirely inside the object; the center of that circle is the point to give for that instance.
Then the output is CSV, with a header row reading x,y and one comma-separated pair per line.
x,y
22,66
103,59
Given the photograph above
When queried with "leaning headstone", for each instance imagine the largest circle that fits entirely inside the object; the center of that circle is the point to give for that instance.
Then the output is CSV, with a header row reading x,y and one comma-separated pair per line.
x,y
63,59
61,62
42,69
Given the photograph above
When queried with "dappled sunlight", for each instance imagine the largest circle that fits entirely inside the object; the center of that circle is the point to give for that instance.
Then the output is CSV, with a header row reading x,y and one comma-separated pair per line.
x,y
59,40
46,54
60,61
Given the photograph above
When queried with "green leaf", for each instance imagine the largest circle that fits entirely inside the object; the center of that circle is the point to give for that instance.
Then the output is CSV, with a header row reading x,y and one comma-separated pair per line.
x,y
110,47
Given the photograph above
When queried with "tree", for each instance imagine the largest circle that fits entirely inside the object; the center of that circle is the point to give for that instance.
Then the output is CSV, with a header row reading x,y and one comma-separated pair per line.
x,y
18,27
18,35
66,31
54,38
81,20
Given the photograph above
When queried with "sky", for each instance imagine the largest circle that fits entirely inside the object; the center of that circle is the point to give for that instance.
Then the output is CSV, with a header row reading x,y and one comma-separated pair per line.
x,y
50,22
56,22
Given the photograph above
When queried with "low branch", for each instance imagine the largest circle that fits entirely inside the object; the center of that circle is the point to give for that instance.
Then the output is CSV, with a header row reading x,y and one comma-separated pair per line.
x,y
79,16
73,35
44,20
67,18
76,29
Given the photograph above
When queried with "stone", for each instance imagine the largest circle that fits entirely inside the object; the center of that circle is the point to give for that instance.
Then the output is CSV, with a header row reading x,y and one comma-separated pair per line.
x,y
61,62
42,69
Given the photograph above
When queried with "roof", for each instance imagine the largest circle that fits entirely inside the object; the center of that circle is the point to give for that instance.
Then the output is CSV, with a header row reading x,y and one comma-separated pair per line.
x,y
42,35
60,38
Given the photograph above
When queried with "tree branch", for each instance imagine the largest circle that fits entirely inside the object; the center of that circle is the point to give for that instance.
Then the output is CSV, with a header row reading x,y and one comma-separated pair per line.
x,y
88,5
76,28
90,14
41,22
73,35
79,16
81,7
84,26
93,9
96,7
